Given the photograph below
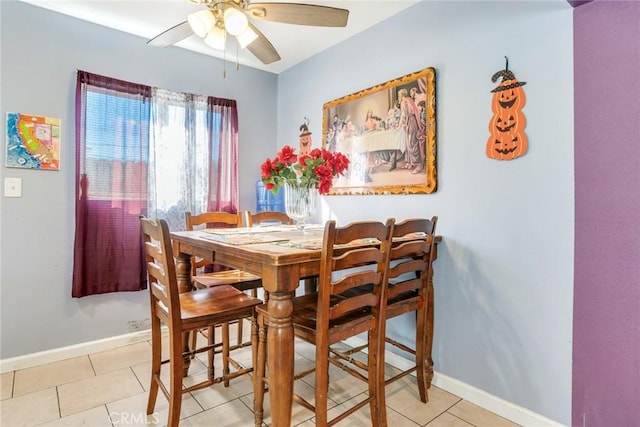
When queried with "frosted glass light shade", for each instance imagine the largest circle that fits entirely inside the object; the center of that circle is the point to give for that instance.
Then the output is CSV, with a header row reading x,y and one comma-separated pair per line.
x,y
246,37
201,22
235,21
216,38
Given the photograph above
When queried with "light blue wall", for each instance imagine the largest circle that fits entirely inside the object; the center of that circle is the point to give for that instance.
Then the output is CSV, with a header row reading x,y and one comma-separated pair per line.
x,y
41,51
504,278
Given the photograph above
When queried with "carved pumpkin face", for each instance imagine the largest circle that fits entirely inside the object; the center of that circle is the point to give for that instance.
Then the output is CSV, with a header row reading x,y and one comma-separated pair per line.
x,y
506,145
305,143
507,121
508,96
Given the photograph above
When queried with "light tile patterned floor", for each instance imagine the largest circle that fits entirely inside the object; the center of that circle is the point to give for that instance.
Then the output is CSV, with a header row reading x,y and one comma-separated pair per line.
x,y
110,389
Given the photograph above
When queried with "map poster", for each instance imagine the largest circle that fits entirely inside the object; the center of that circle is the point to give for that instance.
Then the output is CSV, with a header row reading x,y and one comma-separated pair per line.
x,y
33,142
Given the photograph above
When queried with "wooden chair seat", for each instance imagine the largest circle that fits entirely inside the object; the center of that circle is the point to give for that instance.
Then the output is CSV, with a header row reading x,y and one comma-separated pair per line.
x,y
185,313
221,303
334,314
240,279
305,319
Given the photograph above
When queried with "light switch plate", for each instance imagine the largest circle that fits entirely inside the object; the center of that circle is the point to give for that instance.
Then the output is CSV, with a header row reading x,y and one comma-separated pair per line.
x,y
13,187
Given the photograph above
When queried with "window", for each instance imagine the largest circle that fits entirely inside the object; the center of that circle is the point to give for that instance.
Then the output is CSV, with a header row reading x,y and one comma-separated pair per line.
x,y
116,139
143,151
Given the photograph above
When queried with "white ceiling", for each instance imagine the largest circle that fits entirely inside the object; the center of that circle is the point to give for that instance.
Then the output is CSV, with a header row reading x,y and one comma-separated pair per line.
x,y
295,43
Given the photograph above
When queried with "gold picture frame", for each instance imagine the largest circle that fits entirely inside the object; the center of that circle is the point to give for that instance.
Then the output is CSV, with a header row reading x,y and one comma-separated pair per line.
x,y
388,132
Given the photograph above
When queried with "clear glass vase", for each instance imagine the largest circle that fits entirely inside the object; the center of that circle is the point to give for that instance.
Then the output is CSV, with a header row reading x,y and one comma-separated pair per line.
x,y
300,201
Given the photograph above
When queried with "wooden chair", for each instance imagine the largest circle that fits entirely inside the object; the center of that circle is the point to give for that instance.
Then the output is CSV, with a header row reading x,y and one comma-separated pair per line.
x,y
269,217
409,283
242,280
331,316
183,313
239,279
257,218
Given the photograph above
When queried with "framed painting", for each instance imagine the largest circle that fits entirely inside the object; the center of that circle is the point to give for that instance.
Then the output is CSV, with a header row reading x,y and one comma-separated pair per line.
x,y
33,142
388,132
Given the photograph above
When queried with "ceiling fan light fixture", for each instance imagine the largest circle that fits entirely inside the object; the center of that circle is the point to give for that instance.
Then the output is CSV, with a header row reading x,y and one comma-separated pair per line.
x,y
232,16
246,37
235,21
216,38
201,22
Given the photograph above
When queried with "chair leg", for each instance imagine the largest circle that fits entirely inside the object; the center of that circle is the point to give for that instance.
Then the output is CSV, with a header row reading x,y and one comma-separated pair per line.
x,y
225,353
186,357
375,364
254,340
211,340
239,339
193,343
156,355
175,381
421,366
254,293
310,285
322,384
429,330
259,372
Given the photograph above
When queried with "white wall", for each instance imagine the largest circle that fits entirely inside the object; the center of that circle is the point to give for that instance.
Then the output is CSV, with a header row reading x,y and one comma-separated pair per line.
x,y
504,277
41,51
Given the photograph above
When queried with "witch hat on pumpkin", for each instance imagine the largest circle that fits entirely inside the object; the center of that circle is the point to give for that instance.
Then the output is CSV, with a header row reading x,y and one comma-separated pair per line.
x,y
304,129
509,81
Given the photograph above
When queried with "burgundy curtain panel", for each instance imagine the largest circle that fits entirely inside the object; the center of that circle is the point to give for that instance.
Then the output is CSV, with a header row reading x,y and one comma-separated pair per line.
x,y
111,184
222,120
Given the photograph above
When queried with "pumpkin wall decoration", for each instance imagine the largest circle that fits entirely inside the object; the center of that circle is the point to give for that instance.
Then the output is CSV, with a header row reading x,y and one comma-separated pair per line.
x,y
507,139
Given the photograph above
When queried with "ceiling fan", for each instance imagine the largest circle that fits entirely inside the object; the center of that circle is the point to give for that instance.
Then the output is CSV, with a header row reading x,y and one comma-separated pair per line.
x,y
222,17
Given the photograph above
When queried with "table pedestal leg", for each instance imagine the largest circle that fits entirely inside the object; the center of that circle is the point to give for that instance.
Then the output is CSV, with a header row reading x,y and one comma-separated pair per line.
x,y
280,357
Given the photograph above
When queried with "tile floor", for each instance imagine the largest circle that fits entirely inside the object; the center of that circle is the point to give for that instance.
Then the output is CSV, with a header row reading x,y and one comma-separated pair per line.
x,y
109,388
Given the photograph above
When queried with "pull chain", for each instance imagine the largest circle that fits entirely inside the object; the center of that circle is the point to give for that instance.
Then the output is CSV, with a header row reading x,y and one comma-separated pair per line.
x,y
224,62
237,53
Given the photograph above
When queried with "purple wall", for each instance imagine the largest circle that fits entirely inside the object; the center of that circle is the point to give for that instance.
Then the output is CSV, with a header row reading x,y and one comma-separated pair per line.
x,y
606,345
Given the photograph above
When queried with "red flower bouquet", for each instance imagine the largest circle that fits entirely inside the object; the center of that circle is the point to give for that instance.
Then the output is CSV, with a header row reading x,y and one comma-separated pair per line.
x,y
315,169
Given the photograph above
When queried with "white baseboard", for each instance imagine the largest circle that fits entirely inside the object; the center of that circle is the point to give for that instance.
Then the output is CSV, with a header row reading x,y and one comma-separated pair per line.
x,y
505,409
82,349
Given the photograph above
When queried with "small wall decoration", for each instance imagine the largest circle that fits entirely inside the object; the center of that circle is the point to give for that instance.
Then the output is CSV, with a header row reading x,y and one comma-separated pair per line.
x,y
305,137
33,142
507,139
388,132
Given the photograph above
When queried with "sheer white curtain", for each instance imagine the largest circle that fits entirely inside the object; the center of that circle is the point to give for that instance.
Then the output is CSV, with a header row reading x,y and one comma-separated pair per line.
x,y
179,153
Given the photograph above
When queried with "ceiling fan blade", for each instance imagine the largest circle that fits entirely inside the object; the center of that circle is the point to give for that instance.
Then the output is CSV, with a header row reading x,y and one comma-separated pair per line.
x,y
262,48
172,35
300,14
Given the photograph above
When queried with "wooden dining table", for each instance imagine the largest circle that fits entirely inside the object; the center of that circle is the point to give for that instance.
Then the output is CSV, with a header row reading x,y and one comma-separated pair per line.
x,y
282,256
